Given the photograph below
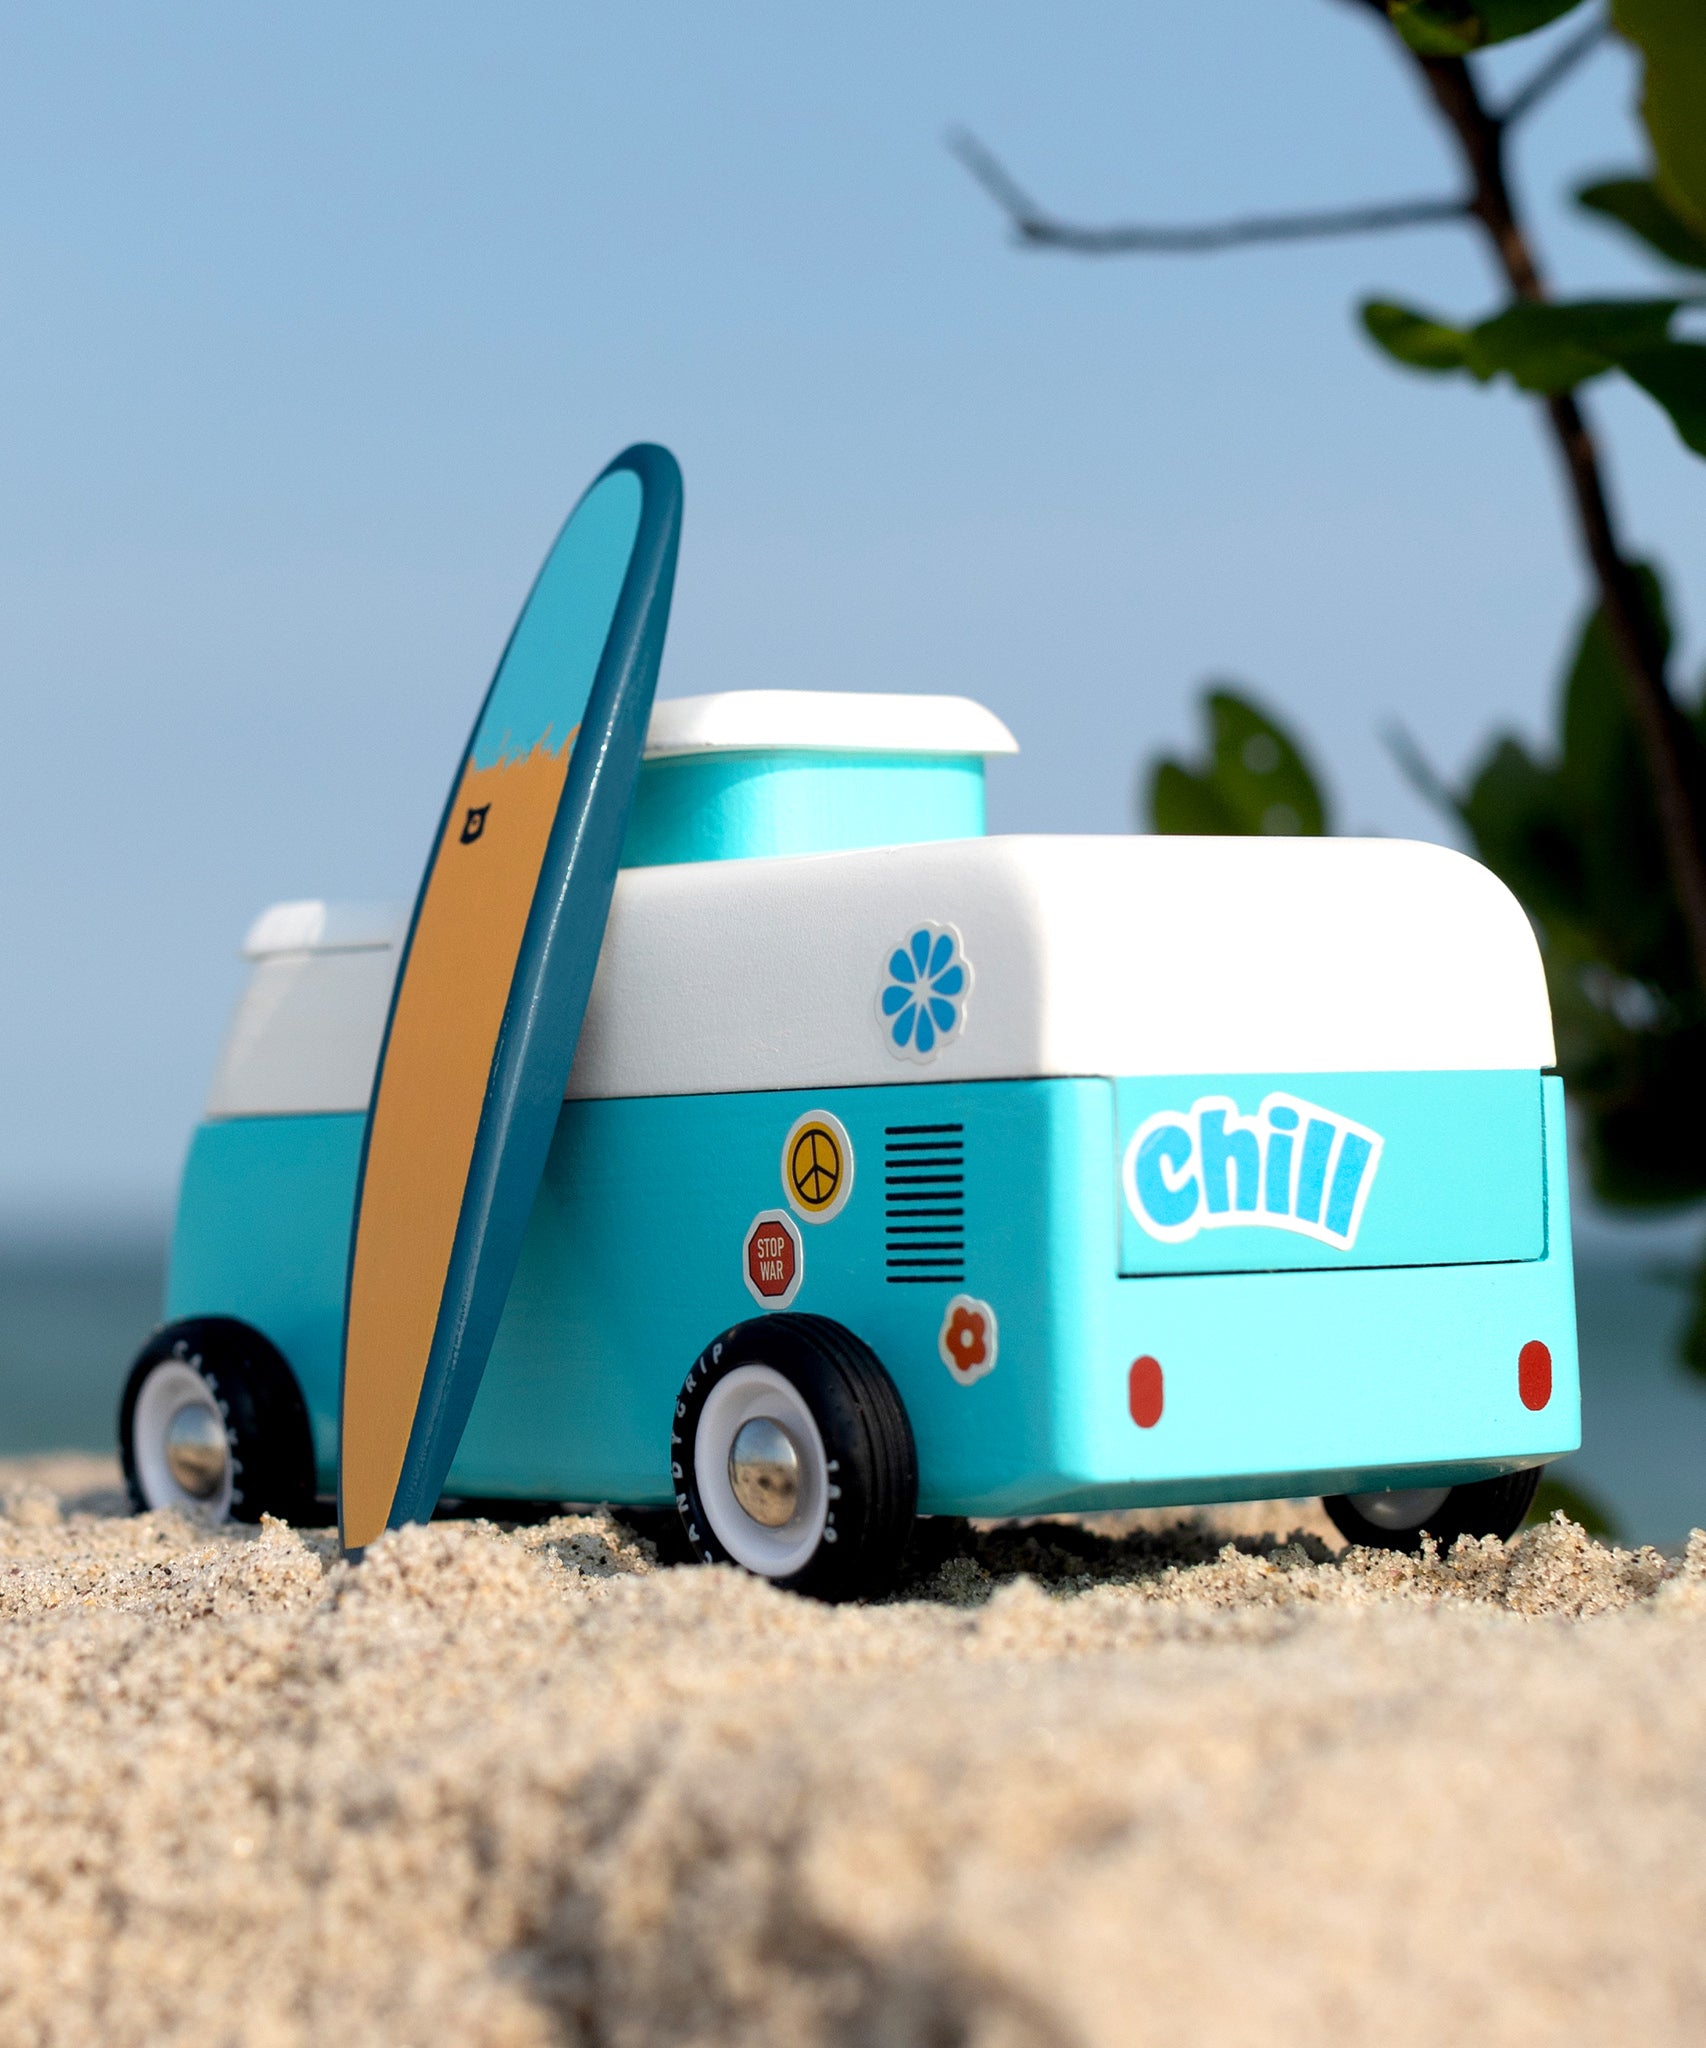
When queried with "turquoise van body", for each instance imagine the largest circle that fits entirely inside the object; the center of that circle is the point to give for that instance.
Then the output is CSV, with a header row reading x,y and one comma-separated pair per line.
x,y
1211,1286
1277,1380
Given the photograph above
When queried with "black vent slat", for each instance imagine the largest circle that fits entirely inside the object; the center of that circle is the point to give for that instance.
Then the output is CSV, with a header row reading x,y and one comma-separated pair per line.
x,y
923,1195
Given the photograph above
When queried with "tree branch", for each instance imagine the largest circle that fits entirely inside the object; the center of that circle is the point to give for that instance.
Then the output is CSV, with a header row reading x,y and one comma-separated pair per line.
x,y
1673,757
1040,230
1553,73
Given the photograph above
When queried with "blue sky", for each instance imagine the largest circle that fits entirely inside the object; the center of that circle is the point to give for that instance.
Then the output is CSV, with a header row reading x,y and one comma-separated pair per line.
x,y
317,319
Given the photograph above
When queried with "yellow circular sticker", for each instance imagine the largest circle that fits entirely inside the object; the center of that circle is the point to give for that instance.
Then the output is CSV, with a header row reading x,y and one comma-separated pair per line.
x,y
817,1166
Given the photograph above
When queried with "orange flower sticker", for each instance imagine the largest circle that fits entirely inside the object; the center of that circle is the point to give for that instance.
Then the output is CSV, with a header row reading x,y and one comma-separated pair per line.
x,y
967,1339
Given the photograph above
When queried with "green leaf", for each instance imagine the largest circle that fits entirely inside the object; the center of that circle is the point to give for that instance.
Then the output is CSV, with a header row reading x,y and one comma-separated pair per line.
x,y
1452,28
1641,209
1507,19
1604,779
1255,780
1519,815
1262,770
1554,347
1183,802
1540,347
1674,376
1671,35
1576,838
1415,339
1594,721
1438,28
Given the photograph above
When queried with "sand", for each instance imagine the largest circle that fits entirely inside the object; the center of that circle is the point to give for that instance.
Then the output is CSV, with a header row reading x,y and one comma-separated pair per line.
x,y
514,1787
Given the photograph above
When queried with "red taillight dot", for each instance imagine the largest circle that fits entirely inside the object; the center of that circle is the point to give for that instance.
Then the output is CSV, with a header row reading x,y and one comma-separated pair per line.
x,y
1534,1374
1147,1392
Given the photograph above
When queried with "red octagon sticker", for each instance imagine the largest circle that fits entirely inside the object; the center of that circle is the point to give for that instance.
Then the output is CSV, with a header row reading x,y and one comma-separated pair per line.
x,y
773,1260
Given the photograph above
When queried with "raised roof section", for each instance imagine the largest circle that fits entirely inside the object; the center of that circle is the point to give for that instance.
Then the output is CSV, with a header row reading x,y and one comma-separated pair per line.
x,y
751,774
315,927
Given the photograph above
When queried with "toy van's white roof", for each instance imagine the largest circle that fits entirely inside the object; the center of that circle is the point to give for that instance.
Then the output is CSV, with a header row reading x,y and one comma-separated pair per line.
x,y
313,927
1088,956
829,721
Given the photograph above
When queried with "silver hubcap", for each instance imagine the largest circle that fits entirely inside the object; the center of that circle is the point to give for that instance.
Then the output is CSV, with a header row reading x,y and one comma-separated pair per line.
x,y
1405,1508
764,1472
196,1450
180,1450
766,1483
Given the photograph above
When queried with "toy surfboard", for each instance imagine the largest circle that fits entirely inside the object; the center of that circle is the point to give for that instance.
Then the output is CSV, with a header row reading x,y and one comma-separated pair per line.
x,y
491,990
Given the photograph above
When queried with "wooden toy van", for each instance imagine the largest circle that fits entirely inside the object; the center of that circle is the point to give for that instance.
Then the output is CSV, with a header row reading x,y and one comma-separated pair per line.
x,y
907,1168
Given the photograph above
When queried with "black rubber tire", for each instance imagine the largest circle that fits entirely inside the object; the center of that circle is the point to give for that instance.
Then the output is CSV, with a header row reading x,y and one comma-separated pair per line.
x,y
865,1434
266,1418
1485,1507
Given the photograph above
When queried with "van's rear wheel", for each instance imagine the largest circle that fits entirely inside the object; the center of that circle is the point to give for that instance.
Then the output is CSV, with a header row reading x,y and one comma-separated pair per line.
x,y
212,1421
793,1457
1399,1520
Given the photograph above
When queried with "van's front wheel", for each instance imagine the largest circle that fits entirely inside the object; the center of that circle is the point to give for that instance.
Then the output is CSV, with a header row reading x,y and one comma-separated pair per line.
x,y
793,1457
1399,1520
212,1421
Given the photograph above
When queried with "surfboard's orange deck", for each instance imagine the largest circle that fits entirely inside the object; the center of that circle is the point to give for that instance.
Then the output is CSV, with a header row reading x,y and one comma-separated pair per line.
x,y
449,1011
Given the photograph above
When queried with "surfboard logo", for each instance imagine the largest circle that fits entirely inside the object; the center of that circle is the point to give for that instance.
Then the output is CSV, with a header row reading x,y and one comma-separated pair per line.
x,y
474,823
1292,1166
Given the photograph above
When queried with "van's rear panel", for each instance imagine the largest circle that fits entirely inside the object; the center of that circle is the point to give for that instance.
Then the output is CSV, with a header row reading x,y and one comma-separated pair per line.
x,y
1298,1378
1283,1384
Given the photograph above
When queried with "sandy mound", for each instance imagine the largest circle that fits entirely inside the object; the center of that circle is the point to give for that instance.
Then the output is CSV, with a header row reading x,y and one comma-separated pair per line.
x,y
528,1787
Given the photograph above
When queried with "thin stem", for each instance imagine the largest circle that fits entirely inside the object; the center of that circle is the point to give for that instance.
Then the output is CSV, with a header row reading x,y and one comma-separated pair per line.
x,y
1042,231
1552,73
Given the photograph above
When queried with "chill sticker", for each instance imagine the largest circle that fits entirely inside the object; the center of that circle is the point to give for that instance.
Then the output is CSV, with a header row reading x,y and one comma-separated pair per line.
x,y
967,1338
772,1259
1292,1166
817,1166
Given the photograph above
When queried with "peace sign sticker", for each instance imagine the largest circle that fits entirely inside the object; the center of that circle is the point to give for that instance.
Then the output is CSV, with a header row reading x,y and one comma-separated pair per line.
x,y
817,1166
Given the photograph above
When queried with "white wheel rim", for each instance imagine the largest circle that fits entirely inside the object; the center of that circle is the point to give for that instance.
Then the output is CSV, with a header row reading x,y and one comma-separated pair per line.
x,y
171,1386
747,1392
1405,1508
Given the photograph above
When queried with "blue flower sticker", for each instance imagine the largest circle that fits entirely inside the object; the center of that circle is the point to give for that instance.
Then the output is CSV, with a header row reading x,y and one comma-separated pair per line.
x,y
922,1003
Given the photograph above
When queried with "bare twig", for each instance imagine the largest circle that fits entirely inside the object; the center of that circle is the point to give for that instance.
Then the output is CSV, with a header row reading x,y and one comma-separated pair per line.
x,y
1041,230
1553,72
1419,771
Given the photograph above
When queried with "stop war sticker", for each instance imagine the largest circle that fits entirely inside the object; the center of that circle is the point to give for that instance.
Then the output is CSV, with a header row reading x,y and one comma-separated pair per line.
x,y
773,1260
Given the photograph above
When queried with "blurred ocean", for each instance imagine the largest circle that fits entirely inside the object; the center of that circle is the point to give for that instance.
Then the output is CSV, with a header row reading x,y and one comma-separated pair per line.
x,y
74,1309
